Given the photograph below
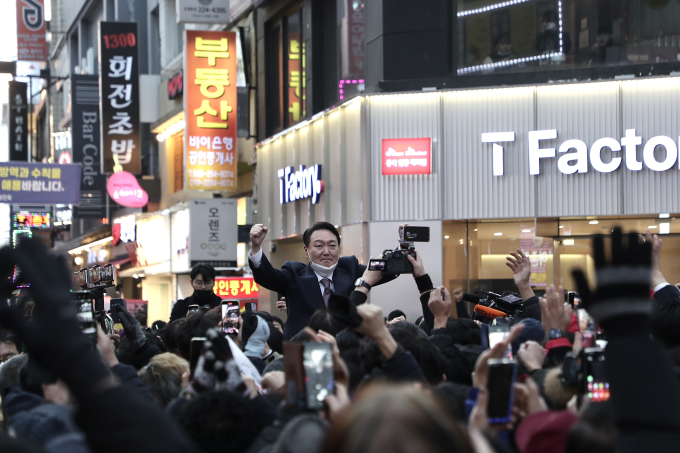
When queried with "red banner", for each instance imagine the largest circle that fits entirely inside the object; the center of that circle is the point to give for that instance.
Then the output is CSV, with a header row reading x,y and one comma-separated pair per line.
x,y
31,42
236,288
407,156
210,110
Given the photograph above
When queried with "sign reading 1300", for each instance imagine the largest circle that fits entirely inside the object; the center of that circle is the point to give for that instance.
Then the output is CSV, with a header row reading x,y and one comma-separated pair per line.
x,y
120,40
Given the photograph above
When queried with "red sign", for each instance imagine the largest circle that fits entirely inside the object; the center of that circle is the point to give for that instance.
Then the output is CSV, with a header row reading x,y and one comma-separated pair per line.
x,y
31,42
236,288
407,156
125,190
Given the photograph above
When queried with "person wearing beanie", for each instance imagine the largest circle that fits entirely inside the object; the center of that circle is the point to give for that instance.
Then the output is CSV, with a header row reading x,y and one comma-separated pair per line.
x,y
254,334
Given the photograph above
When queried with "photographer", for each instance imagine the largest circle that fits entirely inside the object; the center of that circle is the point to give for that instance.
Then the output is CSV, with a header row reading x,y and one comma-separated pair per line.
x,y
307,287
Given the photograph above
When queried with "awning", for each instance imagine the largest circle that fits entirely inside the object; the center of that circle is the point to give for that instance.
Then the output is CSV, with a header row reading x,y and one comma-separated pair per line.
x,y
116,263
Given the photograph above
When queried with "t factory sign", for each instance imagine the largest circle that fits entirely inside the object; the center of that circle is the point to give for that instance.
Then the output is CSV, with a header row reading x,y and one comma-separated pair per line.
x,y
577,161
297,185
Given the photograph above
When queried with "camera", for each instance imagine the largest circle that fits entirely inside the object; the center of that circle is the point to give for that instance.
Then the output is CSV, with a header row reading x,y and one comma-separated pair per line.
x,y
396,261
508,305
94,282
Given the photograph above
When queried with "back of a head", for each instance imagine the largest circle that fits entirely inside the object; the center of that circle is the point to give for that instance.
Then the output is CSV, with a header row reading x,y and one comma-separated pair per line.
x,y
195,325
453,396
10,373
221,422
664,321
322,320
410,328
395,314
463,331
141,319
433,362
163,377
595,432
416,423
169,335
347,339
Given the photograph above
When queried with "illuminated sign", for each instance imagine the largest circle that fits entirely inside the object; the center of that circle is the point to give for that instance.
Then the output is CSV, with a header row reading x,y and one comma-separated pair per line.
x,y
301,184
176,85
32,183
125,190
236,288
39,220
123,229
407,156
570,163
210,110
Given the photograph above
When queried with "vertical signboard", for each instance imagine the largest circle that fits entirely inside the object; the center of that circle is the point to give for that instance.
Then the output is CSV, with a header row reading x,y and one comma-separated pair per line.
x,y
213,232
31,41
210,110
85,128
18,121
119,90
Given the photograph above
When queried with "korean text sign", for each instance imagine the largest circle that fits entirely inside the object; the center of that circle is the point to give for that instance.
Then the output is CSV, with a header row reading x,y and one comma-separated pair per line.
x,y
213,232
236,288
210,110
18,121
22,182
31,39
407,156
119,85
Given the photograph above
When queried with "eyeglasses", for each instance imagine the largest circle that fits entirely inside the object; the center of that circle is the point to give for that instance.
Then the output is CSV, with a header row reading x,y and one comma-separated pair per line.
x,y
201,284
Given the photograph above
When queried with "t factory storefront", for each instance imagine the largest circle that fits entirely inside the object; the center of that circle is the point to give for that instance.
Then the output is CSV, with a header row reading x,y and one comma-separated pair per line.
x,y
539,168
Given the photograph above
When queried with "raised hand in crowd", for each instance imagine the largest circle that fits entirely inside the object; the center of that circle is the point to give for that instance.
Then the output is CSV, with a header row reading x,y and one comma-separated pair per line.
x,y
440,306
521,269
373,327
417,262
657,277
532,355
257,234
132,327
554,315
281,305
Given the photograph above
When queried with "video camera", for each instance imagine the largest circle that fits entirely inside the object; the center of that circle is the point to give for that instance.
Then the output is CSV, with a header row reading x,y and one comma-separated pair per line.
x,y
507,305
395,262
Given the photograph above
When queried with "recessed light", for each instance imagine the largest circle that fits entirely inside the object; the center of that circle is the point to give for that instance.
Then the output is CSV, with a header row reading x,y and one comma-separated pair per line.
x,y
664,228
446,237
664,216
561,226
593,222
651,227
475,229
568,242
498,234
526,231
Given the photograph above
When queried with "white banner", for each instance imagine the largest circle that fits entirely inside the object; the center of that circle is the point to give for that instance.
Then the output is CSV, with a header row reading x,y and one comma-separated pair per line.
x,y
203,11
213,232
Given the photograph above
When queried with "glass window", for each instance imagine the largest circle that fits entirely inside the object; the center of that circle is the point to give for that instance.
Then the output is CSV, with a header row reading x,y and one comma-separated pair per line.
x,y
564,34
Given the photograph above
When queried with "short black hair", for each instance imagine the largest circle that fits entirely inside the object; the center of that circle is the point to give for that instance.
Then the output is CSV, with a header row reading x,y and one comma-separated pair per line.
x,y
322,320
206,271
464,331
395,314
319,226
196,325
279,320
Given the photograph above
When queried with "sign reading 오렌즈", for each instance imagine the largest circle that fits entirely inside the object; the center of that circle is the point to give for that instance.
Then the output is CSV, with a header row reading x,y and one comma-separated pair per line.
x,y
213,232
21,182
406,156
119,88
210,110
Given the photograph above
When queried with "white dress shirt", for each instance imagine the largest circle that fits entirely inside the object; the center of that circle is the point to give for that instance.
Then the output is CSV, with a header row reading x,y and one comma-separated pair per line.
x,y
257,260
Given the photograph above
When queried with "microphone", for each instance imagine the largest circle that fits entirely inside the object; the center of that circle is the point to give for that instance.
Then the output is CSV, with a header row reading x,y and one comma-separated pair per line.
x,y
471,298
490,313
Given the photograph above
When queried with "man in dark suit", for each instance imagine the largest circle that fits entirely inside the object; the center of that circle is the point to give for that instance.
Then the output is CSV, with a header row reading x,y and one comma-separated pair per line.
x,y
307,287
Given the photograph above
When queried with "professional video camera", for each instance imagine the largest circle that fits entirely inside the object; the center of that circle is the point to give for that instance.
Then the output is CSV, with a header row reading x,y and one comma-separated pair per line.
x,y
395,262
507,305
94,282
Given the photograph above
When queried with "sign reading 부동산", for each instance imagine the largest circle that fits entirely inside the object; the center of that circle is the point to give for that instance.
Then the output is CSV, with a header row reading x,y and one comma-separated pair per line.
x,y
213,232
21,182
119,88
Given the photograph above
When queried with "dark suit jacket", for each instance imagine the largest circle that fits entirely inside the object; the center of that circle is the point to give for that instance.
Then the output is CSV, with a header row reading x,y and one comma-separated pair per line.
x,y
298,283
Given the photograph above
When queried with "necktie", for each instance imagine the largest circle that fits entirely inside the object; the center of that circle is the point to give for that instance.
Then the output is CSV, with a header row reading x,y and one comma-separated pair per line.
x,y
326,290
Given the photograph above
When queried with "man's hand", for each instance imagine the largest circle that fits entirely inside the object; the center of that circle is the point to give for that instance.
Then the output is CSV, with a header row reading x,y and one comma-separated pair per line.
x,y
481,373
440,306
532,355
374,328
106,347
257,234
553,314
274,382
418,268
458,294
521,268
396,320
370,277
657,276
281,305
133,330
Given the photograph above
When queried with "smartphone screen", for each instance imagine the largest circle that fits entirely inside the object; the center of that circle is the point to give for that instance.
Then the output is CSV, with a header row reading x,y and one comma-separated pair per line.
x,y
501,385
317,360
596,387
416,234
498,334
85,314
376,265
585,322
195,351
230,309
192,309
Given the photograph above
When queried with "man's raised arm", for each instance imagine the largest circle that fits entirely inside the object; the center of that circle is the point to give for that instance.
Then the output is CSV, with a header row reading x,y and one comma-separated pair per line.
x,y
263,272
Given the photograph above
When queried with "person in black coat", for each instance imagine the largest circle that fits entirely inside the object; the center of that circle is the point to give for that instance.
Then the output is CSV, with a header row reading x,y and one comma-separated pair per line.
x,y
307,287
203,281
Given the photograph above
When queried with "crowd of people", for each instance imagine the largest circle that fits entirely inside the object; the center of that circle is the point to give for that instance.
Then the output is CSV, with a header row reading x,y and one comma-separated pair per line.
x,y
340,376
